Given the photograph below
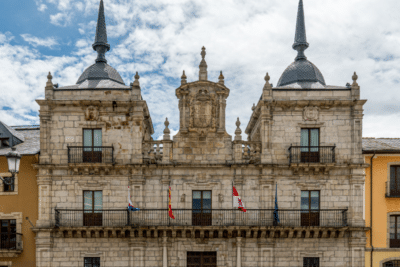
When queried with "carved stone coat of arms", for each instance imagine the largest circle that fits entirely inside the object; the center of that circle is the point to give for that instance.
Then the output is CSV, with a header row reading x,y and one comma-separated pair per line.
x,y
202,112
311,113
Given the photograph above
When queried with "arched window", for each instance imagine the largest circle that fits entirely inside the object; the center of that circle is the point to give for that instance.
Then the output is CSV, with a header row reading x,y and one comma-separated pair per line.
x,y
395,263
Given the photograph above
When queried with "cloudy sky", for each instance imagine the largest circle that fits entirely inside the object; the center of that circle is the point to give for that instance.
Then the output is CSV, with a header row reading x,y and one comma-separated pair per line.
x,y
160,38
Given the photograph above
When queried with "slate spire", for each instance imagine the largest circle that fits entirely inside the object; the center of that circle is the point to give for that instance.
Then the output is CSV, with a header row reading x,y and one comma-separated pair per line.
x,y
300,39
100,42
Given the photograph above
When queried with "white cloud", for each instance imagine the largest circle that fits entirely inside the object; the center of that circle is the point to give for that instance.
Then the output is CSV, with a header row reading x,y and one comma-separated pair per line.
x,y
23,80
42,7
60,19
36,41
245,39
5,37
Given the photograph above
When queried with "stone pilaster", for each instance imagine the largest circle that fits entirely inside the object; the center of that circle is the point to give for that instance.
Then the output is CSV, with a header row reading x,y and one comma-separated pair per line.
x,y
44,245
238,252
44,189
357,242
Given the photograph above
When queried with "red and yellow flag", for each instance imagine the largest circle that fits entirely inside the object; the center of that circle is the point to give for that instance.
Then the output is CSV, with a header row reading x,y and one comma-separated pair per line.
x,y
169,204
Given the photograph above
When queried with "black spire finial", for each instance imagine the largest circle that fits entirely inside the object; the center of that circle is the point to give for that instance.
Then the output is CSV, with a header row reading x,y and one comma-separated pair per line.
x,y
300,40
100,43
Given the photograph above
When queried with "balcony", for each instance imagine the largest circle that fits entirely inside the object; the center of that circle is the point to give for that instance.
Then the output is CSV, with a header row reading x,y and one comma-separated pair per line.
x,y
311,154
10,244
391,192
190,217
89,154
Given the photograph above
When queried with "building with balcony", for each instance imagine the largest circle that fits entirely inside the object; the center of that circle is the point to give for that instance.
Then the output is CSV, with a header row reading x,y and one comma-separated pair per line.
x,y
18,200
383,215
304,153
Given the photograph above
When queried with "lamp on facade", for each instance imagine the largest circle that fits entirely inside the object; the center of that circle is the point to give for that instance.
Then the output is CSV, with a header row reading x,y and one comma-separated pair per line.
x,y
13,159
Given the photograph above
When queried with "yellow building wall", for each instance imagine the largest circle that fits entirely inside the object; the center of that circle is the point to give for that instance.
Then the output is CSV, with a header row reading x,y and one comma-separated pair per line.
x,y
26,202
381,207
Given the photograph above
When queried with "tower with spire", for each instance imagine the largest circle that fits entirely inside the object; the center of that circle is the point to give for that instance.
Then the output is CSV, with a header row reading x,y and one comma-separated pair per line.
x,y
312,133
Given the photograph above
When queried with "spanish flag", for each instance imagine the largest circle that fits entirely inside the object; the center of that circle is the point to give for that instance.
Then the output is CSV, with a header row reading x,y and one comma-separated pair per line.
x,y
169,205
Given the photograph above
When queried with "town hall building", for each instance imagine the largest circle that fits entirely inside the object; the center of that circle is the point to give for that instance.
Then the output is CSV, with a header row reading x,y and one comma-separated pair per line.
x,y
300,172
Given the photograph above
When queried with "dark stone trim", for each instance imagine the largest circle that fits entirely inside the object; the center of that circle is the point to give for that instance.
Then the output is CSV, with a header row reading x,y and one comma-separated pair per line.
x,y
381,151
94,89
287,89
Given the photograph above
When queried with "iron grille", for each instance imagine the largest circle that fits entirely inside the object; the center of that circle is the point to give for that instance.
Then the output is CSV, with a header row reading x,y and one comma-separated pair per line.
x,y
218,217
90,154
310,262
392,264
10,241
92,262
309,154
201,259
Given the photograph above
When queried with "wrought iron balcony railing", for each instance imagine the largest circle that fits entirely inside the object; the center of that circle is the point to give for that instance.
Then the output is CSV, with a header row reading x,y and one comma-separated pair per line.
x,y
391,192
311,154
90,154
9,241
191,217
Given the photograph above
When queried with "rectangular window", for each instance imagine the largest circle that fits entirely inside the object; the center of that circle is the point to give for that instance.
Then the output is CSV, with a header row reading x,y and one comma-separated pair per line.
x,y
10,187
309,142
201,205
93,208
92,142
8,234
310,262
310,208
394,231
92,262
395,181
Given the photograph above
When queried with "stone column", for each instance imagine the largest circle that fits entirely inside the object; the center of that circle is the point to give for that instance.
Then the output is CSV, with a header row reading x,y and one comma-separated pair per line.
x,y
165,256
183,115
238,253
223,112
221,125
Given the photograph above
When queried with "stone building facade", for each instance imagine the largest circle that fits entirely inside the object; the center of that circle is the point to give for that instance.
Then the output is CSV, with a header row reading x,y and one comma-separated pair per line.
x,y
303,152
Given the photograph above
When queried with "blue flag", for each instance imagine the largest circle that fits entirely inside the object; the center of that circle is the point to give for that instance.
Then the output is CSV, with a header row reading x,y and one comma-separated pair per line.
x,y
130,206
276,215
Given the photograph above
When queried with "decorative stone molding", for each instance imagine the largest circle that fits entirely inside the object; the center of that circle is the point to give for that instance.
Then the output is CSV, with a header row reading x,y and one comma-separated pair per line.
x,y
266,254
311,113
312,185
6,263
311,124
311,168
92,113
